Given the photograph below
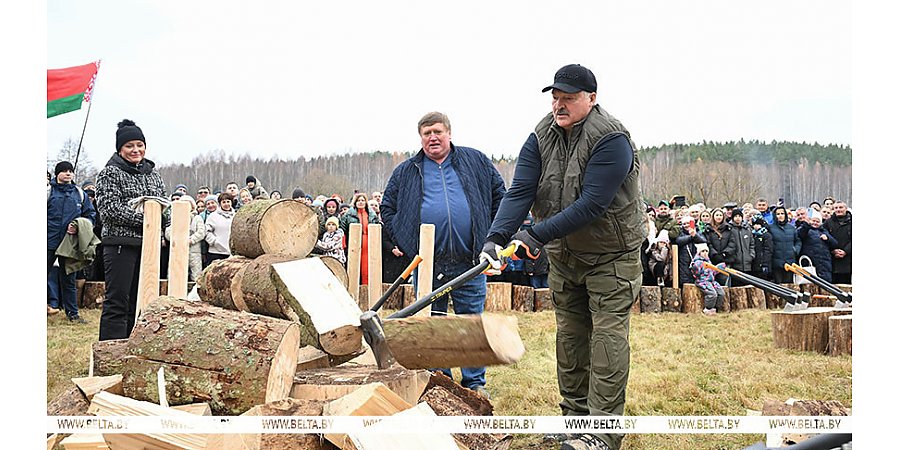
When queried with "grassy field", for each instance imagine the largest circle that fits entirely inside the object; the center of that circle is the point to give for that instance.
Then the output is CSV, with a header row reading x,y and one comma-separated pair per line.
x,y
681,365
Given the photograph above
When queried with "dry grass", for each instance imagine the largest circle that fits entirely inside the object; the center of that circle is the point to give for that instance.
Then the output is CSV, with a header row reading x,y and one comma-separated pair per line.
x,y
680,365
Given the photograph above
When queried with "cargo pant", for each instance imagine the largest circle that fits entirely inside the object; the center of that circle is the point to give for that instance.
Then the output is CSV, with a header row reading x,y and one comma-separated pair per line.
x,y
593,307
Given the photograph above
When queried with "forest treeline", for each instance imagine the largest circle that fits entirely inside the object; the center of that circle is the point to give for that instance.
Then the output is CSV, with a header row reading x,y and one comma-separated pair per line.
x,y
708,172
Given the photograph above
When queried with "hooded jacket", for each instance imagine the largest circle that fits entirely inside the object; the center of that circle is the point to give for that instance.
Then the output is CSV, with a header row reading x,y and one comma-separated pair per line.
x,y
65,203
818,250
741,248
785,242
119,182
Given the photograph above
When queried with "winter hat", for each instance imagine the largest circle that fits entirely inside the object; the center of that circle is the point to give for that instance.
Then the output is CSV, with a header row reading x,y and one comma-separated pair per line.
x,y
181,186
128,131
663,202
737,212
251,179
758,219
663,236
337,204
318,203
86,184
211,198
63,166
701,247
298,193
333,220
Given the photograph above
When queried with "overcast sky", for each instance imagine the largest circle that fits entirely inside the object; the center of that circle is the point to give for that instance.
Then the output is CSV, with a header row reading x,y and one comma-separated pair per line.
x,y
311,78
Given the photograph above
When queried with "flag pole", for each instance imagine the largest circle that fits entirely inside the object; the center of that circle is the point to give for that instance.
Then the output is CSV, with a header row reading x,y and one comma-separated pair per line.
x,y
78,152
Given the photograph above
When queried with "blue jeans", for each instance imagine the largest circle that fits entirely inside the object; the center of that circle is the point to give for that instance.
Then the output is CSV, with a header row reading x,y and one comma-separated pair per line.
x,y
539,281
467,299
62,284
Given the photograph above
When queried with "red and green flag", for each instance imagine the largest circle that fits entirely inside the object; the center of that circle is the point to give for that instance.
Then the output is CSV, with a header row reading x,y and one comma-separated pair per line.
x,y
68,88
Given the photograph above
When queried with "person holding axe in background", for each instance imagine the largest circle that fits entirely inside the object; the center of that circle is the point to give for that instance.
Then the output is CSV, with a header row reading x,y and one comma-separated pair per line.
x,y
579,171
458,190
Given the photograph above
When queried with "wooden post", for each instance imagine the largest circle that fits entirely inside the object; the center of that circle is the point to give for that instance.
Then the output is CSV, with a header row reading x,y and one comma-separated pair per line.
x,y
354,250
674,265
178,252
374,265
425,271
148,282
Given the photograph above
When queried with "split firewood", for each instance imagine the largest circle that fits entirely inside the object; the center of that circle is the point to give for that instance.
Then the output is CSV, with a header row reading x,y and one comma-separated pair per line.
x,y
335,382
83,441
232,360
274,227
328,315
277,441
373,399
106,404
454,340
92,385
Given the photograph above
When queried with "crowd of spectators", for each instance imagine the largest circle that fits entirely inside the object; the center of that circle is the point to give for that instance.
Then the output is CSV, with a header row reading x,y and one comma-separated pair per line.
x,y
757,239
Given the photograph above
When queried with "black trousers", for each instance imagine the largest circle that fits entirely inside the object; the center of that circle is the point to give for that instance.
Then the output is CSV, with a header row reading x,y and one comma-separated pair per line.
x,y
123,268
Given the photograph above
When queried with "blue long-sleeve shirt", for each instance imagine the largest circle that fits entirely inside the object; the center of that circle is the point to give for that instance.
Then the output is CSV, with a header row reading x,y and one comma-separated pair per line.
x,y
610,162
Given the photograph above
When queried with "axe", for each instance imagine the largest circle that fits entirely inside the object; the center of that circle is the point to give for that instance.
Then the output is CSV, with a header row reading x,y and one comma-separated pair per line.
x,y
789,295
843,299
371,325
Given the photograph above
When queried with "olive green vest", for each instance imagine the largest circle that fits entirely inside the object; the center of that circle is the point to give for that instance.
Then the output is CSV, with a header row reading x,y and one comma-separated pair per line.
x,y
622,227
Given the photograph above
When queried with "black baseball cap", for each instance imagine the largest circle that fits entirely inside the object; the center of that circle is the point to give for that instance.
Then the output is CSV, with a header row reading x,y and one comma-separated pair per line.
x,y
573,78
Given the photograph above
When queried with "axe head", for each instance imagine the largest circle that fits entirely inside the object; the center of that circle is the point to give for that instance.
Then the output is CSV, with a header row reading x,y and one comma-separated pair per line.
x,y
789,307
373,332
838,304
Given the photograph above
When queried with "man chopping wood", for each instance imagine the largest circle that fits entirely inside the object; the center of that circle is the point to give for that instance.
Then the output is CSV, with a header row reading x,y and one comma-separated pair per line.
x,y
458,190
578,173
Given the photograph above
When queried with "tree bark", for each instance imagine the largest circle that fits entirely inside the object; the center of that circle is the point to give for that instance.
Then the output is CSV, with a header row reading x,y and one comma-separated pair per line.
x,y
692,298
543,299
93,295
232,360
650,299
840,335
258,287
523,298
805,330
274,226
109,356
214,286
671,299
738,298
756,298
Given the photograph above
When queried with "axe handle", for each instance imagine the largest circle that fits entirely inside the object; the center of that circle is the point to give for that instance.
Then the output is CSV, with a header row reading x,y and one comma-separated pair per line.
x,y
396,284
817,280
773,289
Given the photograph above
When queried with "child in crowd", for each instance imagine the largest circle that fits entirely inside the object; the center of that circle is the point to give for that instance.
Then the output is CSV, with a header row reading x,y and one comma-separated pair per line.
x,y
332,242
705,279
660,259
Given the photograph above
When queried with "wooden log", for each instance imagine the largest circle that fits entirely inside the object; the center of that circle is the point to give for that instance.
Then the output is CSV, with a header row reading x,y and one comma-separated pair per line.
x,y
258,288
214,285
93,295
276,441
233,360
284,227
108,356
499,297
726,303
328,316
312,358
83,441
336,382
107,404
671,299
475,402
650,299
395,301
454,340
92,385
840,335
179,248
845,287
354,255
692,298
409,294
362,297
447,401
425,271
543,299
337,269
805,330
72,402
738,298
522,298
148,280
374,261
756,298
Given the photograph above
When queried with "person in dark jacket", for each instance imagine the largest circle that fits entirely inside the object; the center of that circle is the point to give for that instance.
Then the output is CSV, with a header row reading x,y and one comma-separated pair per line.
x,y
840,226
717,237
762,260
817,244
741,249
687,249
127,175
785,245
665,221
65,203
458,190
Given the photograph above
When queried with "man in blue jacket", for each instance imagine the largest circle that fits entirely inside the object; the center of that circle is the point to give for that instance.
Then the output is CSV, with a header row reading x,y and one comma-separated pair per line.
x,y
458,190
65,203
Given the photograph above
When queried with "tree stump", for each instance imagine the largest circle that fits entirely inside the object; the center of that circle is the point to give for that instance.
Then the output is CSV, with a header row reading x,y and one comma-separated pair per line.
x,y
523,298
409,294
671,299
543,299
214,285
108,356
395,301
774,302
499,297
93,295
738,298
756,298
336,268
805,330
231,360
285,227
650,299
692,298
840,335
845,287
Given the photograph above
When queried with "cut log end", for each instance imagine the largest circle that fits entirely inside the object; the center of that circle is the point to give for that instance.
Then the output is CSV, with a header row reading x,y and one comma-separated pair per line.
x,y
284,365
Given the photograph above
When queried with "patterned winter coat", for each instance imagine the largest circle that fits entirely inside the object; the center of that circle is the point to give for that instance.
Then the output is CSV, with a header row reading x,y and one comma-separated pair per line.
x,y
704,278
332,244
119,182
